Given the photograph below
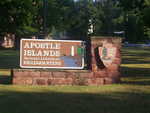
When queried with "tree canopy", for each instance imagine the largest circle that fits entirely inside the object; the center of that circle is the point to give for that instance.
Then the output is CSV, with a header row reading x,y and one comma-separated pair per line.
x,y
75,17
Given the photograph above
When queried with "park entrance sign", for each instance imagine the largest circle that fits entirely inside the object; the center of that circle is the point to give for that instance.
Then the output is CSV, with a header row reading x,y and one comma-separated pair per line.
x,y
102,58
61,54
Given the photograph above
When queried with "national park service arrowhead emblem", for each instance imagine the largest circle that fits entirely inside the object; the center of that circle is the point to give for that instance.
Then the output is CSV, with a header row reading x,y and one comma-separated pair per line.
x,y
107,54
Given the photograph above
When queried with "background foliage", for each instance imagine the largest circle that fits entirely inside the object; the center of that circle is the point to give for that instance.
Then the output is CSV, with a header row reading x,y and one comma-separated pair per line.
x,y
74,18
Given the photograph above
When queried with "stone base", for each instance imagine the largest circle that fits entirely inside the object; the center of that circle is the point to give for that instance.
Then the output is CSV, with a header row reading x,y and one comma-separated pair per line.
x,y
63,77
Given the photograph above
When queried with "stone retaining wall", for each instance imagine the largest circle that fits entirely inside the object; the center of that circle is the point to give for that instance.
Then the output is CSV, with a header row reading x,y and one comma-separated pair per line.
x,y
48,77
105,69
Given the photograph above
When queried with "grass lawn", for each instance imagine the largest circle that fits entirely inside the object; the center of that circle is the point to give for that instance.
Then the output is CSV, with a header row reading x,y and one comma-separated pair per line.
x,y
9,59
130,96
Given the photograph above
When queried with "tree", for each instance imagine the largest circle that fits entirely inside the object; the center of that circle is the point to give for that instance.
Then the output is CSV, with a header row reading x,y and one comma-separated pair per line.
x,y
133,21
107,17
16,15
146,18
68,16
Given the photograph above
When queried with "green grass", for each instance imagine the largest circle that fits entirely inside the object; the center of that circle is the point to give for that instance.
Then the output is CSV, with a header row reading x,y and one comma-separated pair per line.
x,y
75,99
136,65
5,72
132,95
9,59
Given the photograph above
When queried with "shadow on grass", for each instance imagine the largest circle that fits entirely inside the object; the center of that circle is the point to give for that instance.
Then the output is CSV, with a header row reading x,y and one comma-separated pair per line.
x,y
133,72
136,66
134,55
5,80
136,76
136,58
9,59
136,81
135,61
58,102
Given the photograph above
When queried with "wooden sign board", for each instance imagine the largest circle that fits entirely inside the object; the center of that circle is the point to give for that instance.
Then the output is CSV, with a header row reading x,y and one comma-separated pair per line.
x,y
40,53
